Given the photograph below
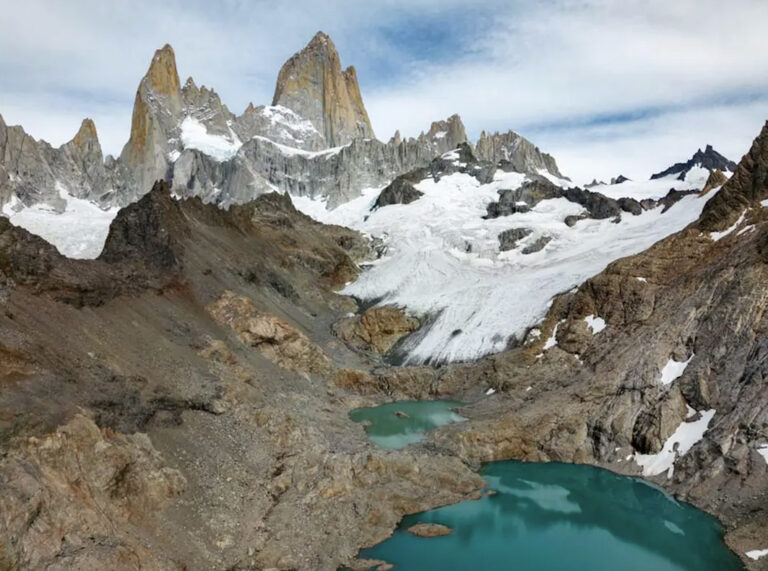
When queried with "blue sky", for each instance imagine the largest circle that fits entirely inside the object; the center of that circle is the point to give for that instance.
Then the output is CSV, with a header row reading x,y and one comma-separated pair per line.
x,y
606,86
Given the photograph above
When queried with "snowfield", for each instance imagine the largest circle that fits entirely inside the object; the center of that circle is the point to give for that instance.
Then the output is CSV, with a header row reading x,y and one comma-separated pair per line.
x,y
78,232
443,258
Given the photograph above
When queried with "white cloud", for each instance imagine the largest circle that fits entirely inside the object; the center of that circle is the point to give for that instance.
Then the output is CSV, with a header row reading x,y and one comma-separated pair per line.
x,y
545,69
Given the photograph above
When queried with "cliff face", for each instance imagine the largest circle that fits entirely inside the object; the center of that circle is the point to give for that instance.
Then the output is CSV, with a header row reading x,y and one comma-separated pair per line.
x,y
313,85
33,171
157,113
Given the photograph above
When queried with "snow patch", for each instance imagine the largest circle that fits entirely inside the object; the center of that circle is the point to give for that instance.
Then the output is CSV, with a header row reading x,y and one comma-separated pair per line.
x,y
763,451
673,370
293,151
681,441
642,280
756,554
194,135
552,341
595,324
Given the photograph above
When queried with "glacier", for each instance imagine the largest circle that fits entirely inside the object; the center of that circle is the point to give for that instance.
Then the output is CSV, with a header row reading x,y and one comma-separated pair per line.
x,y
443,260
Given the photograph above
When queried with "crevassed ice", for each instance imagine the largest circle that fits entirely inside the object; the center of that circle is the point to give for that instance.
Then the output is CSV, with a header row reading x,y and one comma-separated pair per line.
x,y
443,258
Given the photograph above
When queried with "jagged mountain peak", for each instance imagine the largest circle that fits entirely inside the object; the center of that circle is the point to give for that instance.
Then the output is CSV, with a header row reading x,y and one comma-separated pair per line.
x,y
87,134
162,75
708,159
313,84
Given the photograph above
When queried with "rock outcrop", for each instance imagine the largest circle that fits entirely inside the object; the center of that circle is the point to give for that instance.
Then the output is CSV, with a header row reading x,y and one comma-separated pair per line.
x,y
429,530
378,329
708,159
280,342
746,188
76,498
312,84
515,153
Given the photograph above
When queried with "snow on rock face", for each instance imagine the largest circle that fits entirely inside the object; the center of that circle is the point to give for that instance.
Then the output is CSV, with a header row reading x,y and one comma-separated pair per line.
x,y
716,236
79,231
763,451
595,324
443,258
194,135
673,370
681,441
552,341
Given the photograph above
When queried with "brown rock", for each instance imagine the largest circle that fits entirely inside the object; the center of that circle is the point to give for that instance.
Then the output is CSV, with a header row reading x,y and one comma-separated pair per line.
x,y
715,179
65,488
430,530
278,341
377,329
313,85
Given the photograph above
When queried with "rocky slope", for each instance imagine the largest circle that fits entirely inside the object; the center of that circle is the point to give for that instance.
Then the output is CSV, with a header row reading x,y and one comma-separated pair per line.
x,y
178,410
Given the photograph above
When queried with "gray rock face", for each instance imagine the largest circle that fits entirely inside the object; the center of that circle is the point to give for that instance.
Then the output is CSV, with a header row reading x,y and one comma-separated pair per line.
x,y
262,166
278,124
34,171
516,153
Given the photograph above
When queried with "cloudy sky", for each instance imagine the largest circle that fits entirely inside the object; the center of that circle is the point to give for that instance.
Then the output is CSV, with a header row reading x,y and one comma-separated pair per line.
x,y
607,86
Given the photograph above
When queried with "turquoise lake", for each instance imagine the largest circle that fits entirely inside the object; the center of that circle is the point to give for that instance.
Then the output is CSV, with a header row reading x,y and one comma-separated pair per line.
x,y
388,429
547,516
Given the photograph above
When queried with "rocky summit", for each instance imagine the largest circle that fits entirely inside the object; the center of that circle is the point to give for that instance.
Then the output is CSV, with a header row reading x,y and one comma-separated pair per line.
x,y
189,330
313,85
708,159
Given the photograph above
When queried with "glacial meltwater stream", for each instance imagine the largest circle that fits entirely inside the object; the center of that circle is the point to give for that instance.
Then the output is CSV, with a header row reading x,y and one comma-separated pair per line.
x,y
547,516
